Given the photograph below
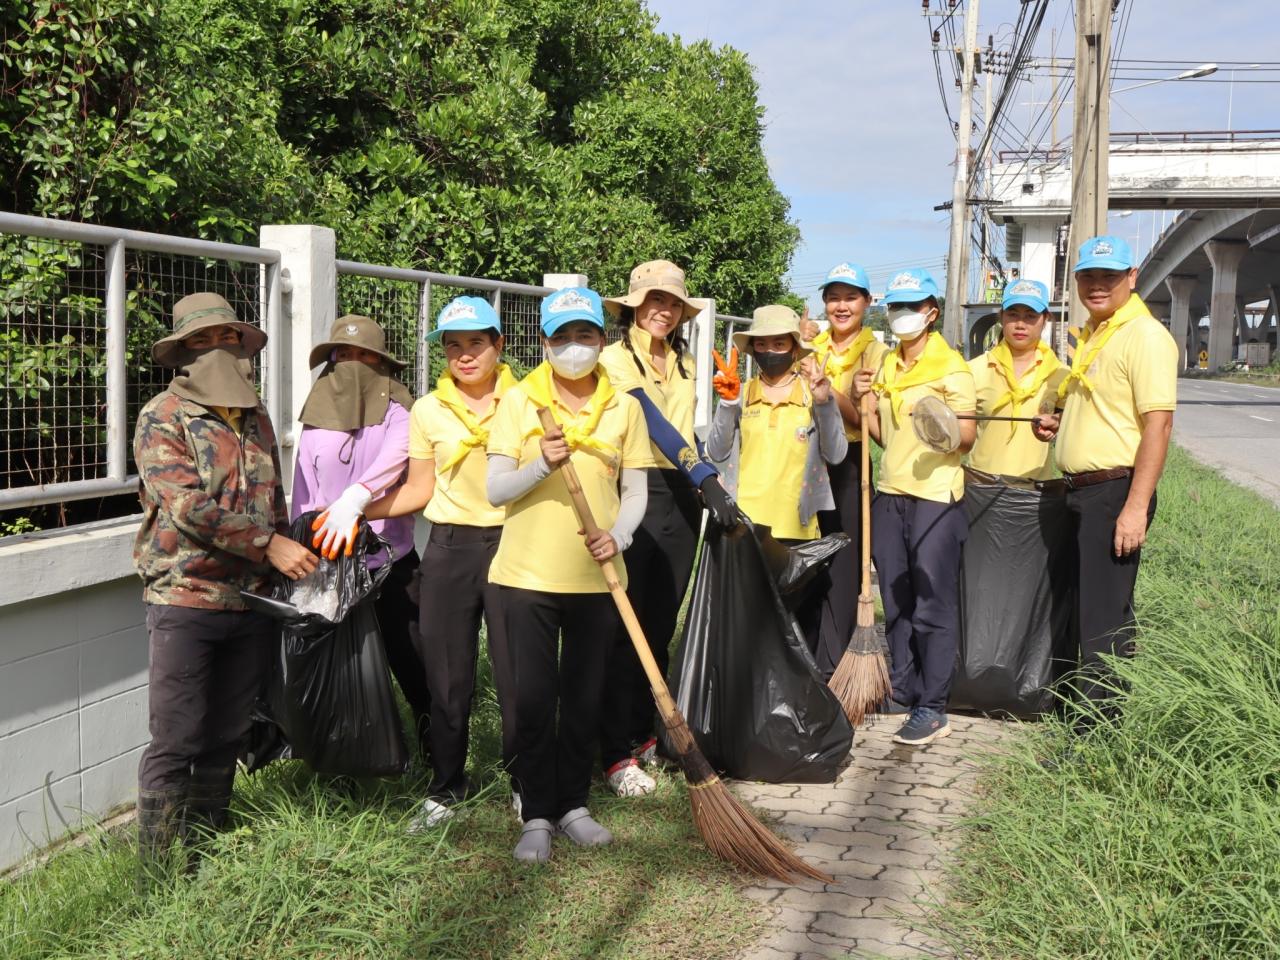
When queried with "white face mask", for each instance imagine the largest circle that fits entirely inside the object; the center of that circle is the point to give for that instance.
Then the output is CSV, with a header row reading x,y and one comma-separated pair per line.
x,y
572,360
907,324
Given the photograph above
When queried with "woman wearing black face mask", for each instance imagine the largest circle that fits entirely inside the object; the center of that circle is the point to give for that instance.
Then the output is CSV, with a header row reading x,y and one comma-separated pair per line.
x,y
774,435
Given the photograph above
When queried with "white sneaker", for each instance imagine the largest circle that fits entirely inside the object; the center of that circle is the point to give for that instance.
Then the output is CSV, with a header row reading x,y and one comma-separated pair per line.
x,y
431,815
626,779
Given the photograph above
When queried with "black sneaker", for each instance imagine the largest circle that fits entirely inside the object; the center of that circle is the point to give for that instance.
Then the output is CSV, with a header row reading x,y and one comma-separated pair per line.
x,y
923,726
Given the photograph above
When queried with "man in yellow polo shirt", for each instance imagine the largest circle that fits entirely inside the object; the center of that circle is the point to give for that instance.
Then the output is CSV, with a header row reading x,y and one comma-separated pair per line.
x,y
1113,436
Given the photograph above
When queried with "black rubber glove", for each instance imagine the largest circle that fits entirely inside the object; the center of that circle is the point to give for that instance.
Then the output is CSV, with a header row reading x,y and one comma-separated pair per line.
x,y
718,502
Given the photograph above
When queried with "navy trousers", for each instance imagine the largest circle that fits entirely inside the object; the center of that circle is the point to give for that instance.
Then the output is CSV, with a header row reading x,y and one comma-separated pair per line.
x,y
916,547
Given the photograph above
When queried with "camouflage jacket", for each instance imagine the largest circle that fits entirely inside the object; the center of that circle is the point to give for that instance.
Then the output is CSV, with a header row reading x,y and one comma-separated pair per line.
x,y
211,500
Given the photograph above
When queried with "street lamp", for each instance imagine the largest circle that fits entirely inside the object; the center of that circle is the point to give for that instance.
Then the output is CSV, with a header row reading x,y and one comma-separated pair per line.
x,y
1194,73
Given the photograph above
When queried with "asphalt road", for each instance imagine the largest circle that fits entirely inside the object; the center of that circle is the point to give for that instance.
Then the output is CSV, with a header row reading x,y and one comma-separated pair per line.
x,y
1233,427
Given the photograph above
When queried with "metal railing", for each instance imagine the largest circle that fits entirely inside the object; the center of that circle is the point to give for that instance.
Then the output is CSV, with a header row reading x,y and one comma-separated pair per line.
x,y
405,303
80,306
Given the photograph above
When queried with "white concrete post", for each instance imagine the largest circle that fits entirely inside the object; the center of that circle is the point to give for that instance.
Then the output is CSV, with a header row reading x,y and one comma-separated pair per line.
x,y
1180,290
702,340
1225,255
307,254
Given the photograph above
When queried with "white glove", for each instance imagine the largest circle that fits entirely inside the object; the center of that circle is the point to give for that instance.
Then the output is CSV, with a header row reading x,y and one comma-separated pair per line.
x,y
336,527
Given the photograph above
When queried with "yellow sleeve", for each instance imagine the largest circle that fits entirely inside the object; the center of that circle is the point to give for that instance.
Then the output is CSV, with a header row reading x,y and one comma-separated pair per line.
x,y
1153,370
621,368
637,452
874,355
960,392
1053,383
506,432
420,446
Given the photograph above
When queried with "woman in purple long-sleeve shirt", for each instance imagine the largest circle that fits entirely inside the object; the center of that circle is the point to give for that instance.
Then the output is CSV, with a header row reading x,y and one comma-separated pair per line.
x,y
355,447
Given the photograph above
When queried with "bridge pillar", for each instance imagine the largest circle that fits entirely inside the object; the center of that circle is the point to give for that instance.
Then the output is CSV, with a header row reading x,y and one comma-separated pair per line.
x,y
1225,255
1180,290
1242,319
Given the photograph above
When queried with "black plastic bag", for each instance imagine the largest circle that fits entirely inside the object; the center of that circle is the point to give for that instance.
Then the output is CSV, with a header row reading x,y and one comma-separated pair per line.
x,y
1016,600
744,678
329,699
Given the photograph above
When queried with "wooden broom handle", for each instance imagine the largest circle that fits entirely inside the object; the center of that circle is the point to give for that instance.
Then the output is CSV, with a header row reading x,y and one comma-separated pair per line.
x,y
583,510
866,495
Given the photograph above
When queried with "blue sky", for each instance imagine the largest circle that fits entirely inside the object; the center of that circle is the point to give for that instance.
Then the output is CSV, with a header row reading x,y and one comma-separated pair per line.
x,y
856,136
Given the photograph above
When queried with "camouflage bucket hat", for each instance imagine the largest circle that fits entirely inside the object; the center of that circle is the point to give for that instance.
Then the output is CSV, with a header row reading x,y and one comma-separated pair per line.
x,y
654,275
198,312
353,330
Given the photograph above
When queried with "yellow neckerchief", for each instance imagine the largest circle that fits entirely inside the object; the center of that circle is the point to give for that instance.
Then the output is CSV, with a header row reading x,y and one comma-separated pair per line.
x,y
540,388
839,364
1089,344
477,436
935,362
642,341
233,415
1001,357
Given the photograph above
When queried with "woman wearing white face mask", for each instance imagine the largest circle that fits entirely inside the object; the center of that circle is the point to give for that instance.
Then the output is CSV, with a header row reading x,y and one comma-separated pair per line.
x,y
560,619
918,523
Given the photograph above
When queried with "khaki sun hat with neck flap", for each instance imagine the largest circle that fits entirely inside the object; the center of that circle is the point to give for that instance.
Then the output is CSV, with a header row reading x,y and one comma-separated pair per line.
x,y
654,275
197,312
772,321
353,330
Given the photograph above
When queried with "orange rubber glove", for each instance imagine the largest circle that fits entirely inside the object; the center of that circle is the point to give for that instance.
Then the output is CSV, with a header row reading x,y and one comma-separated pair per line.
x,y
727,383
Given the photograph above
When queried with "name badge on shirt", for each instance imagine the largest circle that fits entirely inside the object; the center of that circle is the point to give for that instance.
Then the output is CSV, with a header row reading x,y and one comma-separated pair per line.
x,y
802,434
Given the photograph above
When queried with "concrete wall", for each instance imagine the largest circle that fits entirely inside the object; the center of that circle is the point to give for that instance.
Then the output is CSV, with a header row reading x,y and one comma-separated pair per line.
x,y
73,672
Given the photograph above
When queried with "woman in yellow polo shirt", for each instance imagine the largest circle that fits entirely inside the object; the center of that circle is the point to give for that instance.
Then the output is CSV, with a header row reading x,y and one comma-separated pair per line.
x,y
845,347
918,522
560,618
448,431
774,437
650,363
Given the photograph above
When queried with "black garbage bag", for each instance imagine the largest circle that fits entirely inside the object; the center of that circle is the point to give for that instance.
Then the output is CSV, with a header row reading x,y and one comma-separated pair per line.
x,y
743,676
794,568
329,699
1016,600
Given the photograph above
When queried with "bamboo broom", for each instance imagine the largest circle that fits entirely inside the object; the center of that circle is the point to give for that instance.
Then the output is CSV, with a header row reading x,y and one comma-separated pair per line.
x,y
861,678
725,825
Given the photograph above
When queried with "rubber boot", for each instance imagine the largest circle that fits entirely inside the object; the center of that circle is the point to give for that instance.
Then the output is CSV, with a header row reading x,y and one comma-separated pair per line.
x,y
207,808
160,815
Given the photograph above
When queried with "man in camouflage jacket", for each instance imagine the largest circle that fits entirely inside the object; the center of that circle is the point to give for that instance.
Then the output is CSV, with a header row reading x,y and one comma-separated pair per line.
x,y
213,514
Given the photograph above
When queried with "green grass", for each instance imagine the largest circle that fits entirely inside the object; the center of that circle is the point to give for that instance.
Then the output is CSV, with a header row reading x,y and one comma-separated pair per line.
x,y
316,868
1158,837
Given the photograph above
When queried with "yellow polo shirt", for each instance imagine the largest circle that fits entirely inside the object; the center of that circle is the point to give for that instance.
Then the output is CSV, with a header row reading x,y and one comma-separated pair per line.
x,y
775,440
1012,452
672,393
910,468
1135,372
841,376
541,548
437,433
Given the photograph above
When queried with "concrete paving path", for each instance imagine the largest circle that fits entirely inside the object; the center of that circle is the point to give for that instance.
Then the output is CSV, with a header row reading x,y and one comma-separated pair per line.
x,y
881,830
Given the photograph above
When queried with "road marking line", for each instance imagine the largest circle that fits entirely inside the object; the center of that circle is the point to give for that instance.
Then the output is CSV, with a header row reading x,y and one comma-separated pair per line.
x,y
1256,417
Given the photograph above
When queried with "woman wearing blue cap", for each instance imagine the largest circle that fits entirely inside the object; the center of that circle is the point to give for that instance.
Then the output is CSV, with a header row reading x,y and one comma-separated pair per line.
x,y
448,431
560,618
918,522
845,347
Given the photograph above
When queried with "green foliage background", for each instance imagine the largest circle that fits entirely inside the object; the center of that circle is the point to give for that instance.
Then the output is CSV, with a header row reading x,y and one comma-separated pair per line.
x,y
494,137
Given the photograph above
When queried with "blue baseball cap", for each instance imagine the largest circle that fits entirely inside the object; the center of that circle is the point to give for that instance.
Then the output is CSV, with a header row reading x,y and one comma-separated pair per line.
x,y
1031,293
847,273
466,313
571,303
910,286
1104,253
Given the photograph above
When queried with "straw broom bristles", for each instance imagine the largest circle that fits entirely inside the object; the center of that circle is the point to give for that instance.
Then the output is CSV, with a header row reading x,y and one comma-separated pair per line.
x,y
725,825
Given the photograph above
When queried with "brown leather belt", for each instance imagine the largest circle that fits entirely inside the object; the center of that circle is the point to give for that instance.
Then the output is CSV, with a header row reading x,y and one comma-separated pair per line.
x,y
1075,481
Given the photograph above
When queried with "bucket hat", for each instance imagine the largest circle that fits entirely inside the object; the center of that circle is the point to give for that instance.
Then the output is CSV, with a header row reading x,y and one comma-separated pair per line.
x,y
199,311
571,303
1104,253
466,313
1031,293
910,286
850,274
771,321
654,275
353,330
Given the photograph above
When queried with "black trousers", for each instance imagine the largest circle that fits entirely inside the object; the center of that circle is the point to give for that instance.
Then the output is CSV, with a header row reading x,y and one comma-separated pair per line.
x,y
454,592
397,612
840,602
207,666
1104,598
659,564
916,547
558,646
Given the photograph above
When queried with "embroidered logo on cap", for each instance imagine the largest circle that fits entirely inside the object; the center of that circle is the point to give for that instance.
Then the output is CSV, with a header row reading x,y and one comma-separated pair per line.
x,y
1025,286
352,329
458,311
905,281
1102,248
844,270
569,300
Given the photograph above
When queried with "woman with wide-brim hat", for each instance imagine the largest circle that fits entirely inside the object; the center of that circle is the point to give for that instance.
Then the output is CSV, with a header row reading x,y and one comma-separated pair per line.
x,y
213,517
651,363
355,446
775,435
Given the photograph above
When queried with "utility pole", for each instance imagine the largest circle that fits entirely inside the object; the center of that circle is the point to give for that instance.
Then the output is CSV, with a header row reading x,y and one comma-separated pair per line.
x,y
1091,136
957,251
1053,90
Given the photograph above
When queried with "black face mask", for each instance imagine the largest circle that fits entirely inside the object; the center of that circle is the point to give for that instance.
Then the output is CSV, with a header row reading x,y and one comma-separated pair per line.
x,y
772,364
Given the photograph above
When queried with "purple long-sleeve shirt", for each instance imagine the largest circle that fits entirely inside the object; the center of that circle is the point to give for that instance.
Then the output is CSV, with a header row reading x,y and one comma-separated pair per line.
x,y
329,461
